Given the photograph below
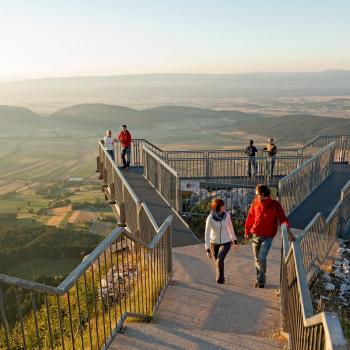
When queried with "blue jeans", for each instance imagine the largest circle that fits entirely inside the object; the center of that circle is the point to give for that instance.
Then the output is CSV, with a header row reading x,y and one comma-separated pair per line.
x,y
126,152
252,164
111,153
261,248
270,165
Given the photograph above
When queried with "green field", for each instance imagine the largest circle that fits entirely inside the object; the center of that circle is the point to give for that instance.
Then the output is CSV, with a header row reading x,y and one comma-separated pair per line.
x,y
37,267
47,158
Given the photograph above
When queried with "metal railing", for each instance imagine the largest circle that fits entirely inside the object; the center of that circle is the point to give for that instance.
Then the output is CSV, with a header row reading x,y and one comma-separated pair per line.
x,y
137,151
319,235
233,169
342,146
223,153
305,329
123,277
163,178
301,182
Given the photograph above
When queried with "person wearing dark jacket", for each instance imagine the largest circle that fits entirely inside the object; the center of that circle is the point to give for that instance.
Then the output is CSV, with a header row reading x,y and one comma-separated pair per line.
x,y
251,151
219,236
262,222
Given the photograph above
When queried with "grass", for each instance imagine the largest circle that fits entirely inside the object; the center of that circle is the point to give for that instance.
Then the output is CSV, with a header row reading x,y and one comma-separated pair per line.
x,y
24,200
48,158
34,267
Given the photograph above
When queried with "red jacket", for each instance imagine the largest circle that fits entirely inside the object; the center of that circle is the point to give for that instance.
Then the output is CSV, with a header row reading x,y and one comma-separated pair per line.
x,y
125,139
263,218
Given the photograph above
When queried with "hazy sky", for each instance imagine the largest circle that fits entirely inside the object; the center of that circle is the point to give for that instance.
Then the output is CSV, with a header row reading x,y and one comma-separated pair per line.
x,y
41,38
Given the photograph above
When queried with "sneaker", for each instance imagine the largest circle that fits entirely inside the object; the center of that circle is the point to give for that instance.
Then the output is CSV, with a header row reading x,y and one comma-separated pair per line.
x,y
258,285
220,282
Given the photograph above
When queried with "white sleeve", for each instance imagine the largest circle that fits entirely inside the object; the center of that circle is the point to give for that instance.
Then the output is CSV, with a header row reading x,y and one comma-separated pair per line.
x,y
207,232
230,228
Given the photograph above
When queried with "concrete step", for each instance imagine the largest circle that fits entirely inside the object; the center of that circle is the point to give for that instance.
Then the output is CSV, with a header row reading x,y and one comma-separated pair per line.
x,y
196,313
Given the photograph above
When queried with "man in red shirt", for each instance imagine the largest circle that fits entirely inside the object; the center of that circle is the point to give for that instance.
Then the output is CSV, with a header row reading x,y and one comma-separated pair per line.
x,y
262,223
125,142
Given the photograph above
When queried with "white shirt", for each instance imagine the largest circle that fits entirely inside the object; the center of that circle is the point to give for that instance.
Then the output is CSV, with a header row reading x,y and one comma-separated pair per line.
x,y
109,142
219,231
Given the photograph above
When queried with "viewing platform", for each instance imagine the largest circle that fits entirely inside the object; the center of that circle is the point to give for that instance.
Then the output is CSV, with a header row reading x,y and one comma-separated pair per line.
x,y
152,275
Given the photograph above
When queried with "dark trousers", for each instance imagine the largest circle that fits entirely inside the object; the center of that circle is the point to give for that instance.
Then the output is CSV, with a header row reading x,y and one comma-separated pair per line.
x,y
111,153
252,164
126,154
219,252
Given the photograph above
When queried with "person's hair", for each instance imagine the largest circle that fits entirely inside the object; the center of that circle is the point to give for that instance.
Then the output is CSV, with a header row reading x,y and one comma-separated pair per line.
x,y
108,131
263,190
271,139
216,204
124,126
251,141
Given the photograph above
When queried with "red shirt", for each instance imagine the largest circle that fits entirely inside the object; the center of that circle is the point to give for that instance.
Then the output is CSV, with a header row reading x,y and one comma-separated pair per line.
x,y
263,217
125,138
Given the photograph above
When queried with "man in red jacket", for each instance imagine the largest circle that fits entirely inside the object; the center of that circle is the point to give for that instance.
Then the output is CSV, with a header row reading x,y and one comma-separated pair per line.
x,y
125,142
262,223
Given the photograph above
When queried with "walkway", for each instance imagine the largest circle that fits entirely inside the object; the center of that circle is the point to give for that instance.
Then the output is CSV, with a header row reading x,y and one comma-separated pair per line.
x,y
196,313
323,199
182,235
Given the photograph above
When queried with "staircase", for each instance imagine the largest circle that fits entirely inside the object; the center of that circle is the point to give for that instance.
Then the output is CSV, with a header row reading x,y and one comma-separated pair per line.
x,y
196,313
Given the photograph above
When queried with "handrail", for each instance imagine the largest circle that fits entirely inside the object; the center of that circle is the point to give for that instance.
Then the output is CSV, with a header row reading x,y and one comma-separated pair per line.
x,y
163,178
161,161
69,281
331,145
92,302
295,187
239,158
324,326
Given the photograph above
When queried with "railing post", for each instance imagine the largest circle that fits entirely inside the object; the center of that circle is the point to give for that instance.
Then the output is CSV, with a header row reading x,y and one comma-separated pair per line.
x,y
178,195
100,169
122,215
170,251
98,164
105,184
112,190
207,165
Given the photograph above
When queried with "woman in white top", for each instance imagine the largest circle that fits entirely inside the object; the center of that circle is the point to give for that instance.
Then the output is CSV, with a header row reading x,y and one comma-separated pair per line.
x,y
109,143
219,236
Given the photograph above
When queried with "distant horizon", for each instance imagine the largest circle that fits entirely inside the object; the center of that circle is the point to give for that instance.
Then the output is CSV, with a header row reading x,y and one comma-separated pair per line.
x,y
41,38
53,77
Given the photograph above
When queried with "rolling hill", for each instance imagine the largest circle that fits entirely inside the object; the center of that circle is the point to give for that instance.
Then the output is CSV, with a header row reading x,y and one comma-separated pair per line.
x,y
295,128
167,124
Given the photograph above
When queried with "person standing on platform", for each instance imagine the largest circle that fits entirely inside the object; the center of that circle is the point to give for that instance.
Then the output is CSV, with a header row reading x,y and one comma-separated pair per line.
x,y
109,144
125,142
251,151
271,150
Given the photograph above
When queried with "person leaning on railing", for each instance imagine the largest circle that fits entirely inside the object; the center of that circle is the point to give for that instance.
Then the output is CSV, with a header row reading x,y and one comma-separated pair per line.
x,y
271,150
219,236
109,143
125,142
262,223
251,151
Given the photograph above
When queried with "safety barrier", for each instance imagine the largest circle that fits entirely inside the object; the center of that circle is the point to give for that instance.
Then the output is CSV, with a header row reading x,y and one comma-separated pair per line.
x,y
342,146
301,182
306,330
123,277
163,178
